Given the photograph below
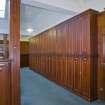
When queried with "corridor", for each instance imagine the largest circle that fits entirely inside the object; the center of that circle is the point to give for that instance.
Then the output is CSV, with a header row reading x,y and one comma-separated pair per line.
x,y
37,90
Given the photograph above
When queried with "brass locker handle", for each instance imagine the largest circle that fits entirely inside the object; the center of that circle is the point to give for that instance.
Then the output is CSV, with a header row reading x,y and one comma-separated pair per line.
x,y
76,59
85,59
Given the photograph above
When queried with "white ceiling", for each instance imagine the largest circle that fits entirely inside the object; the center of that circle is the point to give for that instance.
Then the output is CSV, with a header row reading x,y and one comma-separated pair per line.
x,y
28,17
43,14
36,17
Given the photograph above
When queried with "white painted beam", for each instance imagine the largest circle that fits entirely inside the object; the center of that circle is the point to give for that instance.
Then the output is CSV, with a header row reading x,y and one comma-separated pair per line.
x,y
63,6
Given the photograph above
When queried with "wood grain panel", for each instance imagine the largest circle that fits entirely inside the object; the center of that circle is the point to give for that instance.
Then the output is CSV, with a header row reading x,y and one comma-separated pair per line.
x,y
14,50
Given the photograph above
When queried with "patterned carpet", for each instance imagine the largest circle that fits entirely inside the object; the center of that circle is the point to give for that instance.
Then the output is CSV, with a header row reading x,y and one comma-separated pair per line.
x,y
37,90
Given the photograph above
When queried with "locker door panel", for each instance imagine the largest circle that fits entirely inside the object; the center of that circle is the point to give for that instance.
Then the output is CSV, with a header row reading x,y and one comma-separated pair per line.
x,y
86,77
70,73
101,72
77,75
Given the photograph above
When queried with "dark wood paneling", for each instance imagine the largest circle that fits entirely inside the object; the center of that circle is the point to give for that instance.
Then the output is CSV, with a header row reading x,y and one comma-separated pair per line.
x,y
24,47
101,51
24,60
24,54
65,54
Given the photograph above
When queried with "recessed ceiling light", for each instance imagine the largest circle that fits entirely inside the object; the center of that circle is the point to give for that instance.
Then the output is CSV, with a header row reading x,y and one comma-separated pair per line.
x,y
30,30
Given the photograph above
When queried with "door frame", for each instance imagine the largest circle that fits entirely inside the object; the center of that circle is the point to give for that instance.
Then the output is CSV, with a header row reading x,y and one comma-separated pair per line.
x,y
14,50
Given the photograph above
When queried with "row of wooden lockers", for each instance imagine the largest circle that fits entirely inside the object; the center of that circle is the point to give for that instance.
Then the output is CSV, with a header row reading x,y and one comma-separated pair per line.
x,y
71,73
68,37
67,54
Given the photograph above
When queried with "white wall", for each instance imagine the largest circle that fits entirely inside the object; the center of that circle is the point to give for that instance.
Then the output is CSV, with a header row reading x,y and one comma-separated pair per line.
x,y
39,20
48,19
4,26
54,12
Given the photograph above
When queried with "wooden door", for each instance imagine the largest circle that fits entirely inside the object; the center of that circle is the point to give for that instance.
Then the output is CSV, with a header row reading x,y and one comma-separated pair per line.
x,y
103,76
77,75
102,73
85,77
101,51
70,57
77,60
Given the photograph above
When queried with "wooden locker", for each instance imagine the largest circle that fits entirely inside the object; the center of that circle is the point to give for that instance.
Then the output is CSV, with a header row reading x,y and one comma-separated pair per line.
x,y
70,55
101,51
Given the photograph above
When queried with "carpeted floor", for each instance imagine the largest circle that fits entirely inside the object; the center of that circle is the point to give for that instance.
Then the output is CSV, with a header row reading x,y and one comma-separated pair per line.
x,y
36,90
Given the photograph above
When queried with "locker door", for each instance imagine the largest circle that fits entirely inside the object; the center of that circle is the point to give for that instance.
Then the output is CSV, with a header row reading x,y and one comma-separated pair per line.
x,y
85,60
70,73
70,58
44,65
58,69
49,77
63,71
85,74
51,67
77,60
103,67
54,68
102,74
77,75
